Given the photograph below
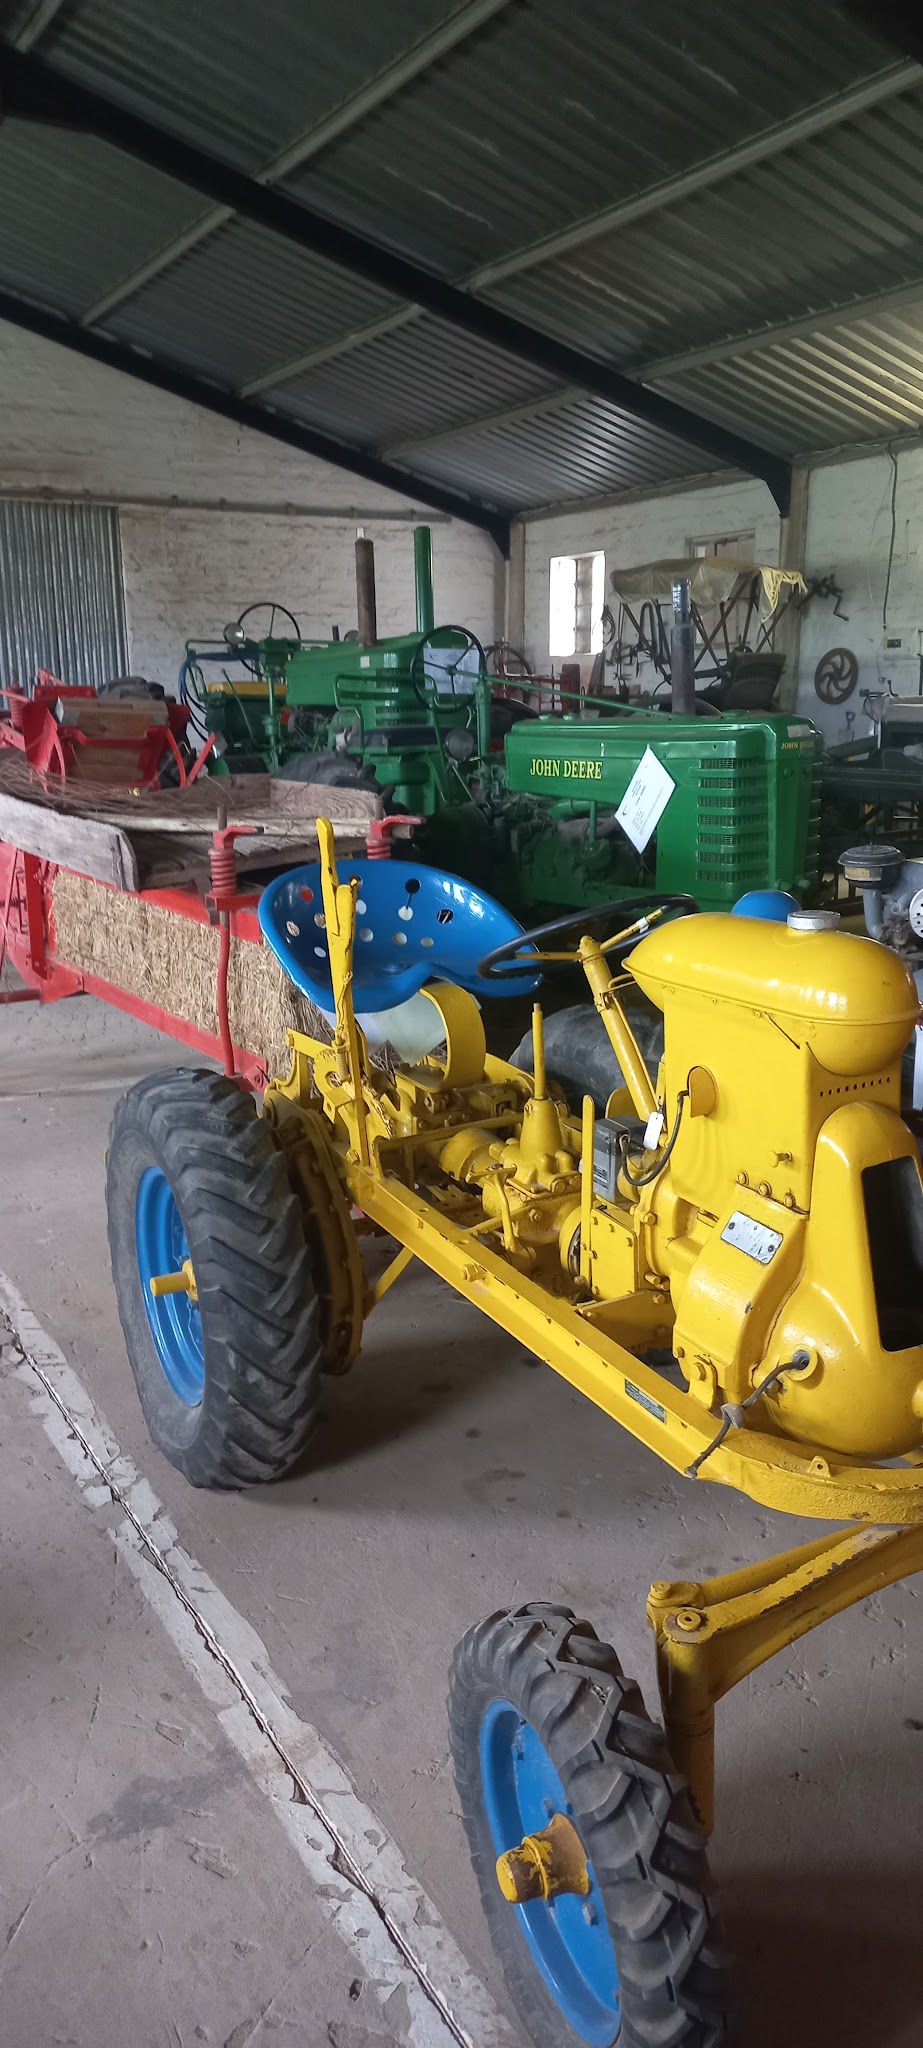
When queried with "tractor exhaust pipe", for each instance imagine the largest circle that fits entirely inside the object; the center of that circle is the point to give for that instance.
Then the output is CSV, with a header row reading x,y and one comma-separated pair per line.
x,y
423,579
682,651
366,608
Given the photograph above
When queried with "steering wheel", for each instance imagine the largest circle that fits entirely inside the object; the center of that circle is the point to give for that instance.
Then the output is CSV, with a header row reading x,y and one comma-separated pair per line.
x,y
271,606
642,911
425,690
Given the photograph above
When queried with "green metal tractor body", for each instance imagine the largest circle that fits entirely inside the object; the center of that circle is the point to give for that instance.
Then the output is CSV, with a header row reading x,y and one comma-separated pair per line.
x,y
406,709
417,716
744,814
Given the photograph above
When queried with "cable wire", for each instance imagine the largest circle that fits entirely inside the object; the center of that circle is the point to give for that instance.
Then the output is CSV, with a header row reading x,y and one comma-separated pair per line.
x,y
643,1180
887,591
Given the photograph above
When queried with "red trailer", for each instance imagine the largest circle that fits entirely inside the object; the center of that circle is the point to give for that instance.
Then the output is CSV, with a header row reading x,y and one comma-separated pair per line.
x,y
89,872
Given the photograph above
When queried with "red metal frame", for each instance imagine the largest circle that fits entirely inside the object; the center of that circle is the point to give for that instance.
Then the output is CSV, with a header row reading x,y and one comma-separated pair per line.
x,y
32,729
27,934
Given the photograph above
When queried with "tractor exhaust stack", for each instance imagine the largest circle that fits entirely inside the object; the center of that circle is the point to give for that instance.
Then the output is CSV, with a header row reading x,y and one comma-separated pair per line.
x,y
423,578
366,608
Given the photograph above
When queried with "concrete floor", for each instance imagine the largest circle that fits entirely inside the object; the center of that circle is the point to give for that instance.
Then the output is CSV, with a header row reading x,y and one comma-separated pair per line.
x,y
150,1894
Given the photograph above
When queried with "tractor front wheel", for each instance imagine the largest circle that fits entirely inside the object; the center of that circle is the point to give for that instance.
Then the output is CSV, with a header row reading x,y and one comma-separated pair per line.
x,y
226,1350
591,1865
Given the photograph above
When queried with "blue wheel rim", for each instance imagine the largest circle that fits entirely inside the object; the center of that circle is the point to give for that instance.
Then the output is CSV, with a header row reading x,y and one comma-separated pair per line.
x,y
175,1322
568,1937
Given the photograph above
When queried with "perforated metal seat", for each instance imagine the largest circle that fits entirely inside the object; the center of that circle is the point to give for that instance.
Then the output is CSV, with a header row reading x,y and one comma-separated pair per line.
x,y
413,924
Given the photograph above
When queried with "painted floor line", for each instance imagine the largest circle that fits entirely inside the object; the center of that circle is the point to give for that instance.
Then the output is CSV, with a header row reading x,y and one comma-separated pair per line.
x,y
358,1876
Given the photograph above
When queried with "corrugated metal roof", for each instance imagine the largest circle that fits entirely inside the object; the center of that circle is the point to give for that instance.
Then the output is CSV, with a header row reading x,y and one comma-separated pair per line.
x,y
409,383
551,112
243,302
835,217
69,217
240,77
849,380
537,119
573,449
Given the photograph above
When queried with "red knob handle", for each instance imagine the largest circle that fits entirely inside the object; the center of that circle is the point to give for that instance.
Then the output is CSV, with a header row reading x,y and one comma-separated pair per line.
x,y
378,837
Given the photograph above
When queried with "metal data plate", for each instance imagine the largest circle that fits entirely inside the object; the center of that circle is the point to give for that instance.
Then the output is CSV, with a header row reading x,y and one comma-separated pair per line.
x,y
756,1239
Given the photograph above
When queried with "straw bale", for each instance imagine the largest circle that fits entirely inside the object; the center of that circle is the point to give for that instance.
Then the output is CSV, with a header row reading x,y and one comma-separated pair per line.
x,y
172,962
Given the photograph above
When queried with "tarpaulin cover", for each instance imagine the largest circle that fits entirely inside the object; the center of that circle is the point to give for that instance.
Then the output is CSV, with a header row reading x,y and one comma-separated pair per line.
x,y
714,580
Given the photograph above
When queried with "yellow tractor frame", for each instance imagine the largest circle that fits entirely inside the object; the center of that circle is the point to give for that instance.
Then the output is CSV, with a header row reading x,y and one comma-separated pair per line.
x,y
395,1144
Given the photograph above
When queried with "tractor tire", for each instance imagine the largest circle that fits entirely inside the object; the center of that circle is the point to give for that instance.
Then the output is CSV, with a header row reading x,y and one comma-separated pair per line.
x,y
578,1055
538,1706
334,771
229,1384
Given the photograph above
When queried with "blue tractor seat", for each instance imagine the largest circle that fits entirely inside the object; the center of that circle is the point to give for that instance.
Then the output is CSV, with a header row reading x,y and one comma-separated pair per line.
x,y
413,924
771,905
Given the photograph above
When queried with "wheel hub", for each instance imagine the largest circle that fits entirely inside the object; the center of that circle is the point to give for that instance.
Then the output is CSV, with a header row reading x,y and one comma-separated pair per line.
x,y
545,1865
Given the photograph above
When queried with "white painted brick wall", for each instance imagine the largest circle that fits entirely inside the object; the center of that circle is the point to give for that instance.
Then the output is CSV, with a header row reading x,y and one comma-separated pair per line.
x,y
848,529
187,573
66,424
648,531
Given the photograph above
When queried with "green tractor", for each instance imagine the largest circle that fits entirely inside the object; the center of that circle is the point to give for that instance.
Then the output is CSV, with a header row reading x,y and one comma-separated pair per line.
x,y
523,803
410,713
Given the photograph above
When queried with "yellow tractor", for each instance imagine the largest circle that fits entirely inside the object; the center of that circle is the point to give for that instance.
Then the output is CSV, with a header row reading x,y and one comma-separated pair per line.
x,y
729,1262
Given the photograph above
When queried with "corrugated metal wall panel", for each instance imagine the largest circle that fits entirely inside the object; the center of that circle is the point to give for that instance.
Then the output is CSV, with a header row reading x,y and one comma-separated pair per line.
x,y
62,603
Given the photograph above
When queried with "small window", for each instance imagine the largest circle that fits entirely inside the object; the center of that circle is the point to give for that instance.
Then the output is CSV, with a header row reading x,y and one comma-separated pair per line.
x,y
741,547
736,547
575,605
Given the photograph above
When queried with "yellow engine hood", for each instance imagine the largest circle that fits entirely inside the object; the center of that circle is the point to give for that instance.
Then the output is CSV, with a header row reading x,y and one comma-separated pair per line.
x,y
851,1000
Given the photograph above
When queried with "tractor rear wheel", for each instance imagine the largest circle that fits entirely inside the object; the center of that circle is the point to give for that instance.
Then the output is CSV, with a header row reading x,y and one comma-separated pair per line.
x,y
548,1734
579,1057
334,771
227,1363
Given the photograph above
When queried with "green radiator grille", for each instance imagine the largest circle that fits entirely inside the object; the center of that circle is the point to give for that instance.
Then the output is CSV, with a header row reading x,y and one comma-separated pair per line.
x,y
732,824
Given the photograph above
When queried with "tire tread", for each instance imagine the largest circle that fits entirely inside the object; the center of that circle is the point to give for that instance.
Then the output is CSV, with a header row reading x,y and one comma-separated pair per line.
x,y
633,1810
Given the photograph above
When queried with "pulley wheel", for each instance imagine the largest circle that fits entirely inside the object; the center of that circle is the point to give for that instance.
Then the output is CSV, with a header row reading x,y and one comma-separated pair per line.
x,y
836,675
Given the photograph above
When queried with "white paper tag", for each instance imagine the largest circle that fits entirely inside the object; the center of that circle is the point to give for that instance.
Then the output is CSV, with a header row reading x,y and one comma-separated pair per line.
x,y
653,1130
645,800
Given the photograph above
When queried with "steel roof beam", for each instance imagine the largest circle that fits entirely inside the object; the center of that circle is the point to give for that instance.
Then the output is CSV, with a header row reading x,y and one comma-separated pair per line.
x,y
463,22
32,22
261,419
34,90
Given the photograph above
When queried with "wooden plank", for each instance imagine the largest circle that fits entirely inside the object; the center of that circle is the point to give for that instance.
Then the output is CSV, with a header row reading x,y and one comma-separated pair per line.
x,y
116,767
102,719
101,851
